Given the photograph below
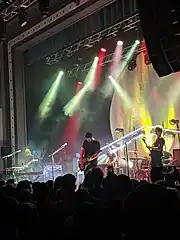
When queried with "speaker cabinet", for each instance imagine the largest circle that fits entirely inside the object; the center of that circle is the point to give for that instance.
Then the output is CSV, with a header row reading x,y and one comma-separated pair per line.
x,y
160,22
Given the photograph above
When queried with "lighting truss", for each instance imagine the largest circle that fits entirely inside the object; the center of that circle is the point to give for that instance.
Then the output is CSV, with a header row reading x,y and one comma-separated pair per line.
x,y
107,59
126,25
134,135
13,10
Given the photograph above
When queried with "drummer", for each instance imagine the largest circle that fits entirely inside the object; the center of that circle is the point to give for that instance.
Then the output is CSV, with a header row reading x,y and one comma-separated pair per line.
x,y
111,159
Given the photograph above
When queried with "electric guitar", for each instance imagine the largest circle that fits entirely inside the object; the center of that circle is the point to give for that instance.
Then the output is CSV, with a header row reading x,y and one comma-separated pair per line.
x,y
84,162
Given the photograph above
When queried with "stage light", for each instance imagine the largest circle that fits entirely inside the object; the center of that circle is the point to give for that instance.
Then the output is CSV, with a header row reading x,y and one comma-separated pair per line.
x,y
8,1
176,122
147,59
119,43
44,7
111,77
103,50
119,130
77,2
22,17
2,30
132,65
96,58
79,83
137,41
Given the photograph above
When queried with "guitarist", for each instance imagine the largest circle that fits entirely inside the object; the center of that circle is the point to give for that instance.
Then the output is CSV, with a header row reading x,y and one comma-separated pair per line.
x,y
157,148
89,148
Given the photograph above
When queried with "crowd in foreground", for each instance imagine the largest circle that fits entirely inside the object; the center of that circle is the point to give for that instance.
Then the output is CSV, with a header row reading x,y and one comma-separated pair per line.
x,y
111,207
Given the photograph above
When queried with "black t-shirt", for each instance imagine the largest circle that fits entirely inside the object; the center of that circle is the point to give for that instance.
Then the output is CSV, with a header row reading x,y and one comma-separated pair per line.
x,y
91,147
160,142
157,155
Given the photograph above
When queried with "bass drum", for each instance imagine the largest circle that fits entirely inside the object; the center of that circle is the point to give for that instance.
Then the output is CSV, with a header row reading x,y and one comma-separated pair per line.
x,y
166,158
145,164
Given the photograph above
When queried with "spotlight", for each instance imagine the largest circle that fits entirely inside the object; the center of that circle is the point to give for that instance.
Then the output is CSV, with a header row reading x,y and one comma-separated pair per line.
x,y
111,77
147,59
119,130
103,50
96,58
119,43
77,2
79,83
44,7
7,2
132,66
2,30
61,73
137,42
22,17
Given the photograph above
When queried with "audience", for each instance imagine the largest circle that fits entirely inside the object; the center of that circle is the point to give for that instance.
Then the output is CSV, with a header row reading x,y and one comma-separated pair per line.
x,y
114,206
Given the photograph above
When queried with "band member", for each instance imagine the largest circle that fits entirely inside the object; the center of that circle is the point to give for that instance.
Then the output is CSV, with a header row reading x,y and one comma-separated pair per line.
x,y
111,159
90,147
28,156
157,148
110,162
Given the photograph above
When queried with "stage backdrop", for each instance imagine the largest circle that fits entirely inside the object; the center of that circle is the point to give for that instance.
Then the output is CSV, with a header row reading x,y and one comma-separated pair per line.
x,y
149,100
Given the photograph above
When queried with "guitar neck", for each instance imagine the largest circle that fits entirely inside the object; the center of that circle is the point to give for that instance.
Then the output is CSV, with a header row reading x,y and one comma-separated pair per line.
x,y
144,140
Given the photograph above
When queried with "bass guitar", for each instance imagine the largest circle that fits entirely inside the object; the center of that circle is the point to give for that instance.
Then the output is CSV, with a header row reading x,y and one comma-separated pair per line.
x,y
147,145
84,162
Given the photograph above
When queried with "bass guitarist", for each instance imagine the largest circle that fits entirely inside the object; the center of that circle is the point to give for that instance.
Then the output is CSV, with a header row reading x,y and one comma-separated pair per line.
x,y
90,149
156,150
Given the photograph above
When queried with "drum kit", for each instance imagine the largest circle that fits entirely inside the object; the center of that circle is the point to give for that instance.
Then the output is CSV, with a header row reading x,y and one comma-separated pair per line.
x,y
142,165
141,168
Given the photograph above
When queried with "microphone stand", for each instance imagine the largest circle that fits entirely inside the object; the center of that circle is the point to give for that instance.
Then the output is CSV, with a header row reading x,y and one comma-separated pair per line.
x,y
126,155
127,159
52,157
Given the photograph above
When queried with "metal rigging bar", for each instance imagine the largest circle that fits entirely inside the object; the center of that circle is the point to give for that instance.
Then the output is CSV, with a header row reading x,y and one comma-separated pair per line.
x,y
107,59
13,10
126,25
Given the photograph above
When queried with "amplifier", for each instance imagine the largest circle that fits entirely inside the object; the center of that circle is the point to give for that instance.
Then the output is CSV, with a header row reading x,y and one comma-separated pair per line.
x,y
176,154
